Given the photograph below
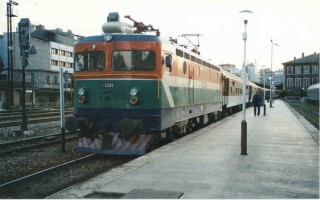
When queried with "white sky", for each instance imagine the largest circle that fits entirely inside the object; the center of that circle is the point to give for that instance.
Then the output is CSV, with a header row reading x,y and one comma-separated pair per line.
x,y
293,24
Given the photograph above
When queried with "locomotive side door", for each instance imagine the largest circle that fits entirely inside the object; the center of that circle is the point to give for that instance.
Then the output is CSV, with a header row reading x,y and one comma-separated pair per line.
x,y
225,90
190,83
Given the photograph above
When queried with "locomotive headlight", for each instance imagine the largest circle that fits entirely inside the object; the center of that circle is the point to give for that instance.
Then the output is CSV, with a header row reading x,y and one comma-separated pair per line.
x,y
81,91
135,96
134,91
82,95
107,37
133,100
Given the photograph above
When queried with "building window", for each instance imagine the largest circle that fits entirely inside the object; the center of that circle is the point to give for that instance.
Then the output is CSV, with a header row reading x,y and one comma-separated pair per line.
x,y
297,69
54,51
306,81
297,81
315,69
289,70
54,62
62,64
62,53
290,82
68,65
314,80
48,79
306,70
68,54
55,79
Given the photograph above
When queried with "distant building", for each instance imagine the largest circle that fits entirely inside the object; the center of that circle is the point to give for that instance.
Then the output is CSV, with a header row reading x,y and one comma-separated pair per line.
x,y
54,51
264,75
231,68
253,72
277,77
300,73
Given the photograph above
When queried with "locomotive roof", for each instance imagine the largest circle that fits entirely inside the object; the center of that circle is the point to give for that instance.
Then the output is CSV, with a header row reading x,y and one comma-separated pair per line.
x,y
120,37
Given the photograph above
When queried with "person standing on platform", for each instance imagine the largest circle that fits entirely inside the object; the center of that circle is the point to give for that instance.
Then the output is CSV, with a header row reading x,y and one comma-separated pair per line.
x,y
256,101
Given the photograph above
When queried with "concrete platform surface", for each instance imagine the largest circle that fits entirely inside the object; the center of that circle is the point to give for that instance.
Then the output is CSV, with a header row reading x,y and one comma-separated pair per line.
x,y
282,162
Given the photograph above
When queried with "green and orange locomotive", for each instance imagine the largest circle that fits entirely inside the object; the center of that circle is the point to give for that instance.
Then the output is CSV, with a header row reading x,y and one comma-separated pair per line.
x,y
133,89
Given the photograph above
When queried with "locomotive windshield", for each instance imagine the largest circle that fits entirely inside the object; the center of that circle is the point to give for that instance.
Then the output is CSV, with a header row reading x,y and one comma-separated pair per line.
x,y
134,60
89,61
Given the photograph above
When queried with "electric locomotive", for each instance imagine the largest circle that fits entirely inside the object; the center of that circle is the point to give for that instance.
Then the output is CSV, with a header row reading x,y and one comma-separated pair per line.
x,y
134,89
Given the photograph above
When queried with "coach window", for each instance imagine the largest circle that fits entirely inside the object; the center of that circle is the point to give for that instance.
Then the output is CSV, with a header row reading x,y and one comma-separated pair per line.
x,y
89,61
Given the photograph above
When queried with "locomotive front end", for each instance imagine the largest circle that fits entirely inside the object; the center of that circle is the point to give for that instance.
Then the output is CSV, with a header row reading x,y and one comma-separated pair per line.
x,y
117,98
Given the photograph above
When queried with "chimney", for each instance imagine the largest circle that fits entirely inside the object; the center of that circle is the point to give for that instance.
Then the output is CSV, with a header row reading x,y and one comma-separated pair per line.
x,y
40,26
315,53
302,55
294,58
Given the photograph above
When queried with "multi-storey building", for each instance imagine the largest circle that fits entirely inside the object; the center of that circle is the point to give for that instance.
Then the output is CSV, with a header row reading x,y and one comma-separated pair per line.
x,y
231,68
253,73
300,73
54,51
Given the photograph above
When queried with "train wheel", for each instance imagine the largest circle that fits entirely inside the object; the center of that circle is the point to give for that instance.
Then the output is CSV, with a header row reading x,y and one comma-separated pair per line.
x,y
171,135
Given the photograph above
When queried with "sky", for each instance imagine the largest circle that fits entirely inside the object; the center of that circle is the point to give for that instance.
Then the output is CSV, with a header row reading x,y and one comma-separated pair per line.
x,y
292,24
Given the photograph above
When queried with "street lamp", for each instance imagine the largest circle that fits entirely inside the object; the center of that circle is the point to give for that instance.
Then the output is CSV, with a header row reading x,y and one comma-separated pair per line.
x,y
245,14
264,90
271,71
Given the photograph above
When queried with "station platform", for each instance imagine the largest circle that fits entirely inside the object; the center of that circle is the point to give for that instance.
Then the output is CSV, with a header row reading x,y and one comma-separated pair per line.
x,y
282,163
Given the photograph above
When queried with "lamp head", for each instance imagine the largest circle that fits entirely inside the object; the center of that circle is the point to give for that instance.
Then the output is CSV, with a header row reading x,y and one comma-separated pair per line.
x,y
245,15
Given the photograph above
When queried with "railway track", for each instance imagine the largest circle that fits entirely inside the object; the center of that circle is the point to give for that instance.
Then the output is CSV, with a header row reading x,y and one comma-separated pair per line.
x,y
309,111
36,142
49,181
8,119
21,180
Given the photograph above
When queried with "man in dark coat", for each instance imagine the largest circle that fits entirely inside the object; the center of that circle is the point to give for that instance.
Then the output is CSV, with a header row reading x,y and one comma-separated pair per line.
x,y
256,101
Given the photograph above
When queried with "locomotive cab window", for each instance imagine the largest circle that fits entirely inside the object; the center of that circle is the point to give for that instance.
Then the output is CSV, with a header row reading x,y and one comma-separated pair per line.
x,y
134,60
89,61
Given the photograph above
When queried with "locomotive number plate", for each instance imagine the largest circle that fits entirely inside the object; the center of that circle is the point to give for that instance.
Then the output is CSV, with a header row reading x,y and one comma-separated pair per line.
x,y
107,85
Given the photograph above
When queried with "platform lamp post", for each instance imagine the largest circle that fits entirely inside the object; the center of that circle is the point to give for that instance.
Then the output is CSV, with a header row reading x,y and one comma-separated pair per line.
x,y
271,72
245,14
264,91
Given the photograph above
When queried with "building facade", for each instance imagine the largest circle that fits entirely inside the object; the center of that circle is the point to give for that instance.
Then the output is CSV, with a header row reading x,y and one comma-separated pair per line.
x,y
231,68
54,51
300,73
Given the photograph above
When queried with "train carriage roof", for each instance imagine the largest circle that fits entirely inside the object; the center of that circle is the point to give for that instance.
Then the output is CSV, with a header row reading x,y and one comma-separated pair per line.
x,y
230,75
314,86
237,78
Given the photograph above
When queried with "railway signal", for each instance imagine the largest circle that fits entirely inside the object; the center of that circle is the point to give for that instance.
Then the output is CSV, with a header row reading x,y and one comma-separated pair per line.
x,y
25,50
24,44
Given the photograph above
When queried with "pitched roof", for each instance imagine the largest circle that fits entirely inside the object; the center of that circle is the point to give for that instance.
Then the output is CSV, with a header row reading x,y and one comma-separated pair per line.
x,y
313,58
